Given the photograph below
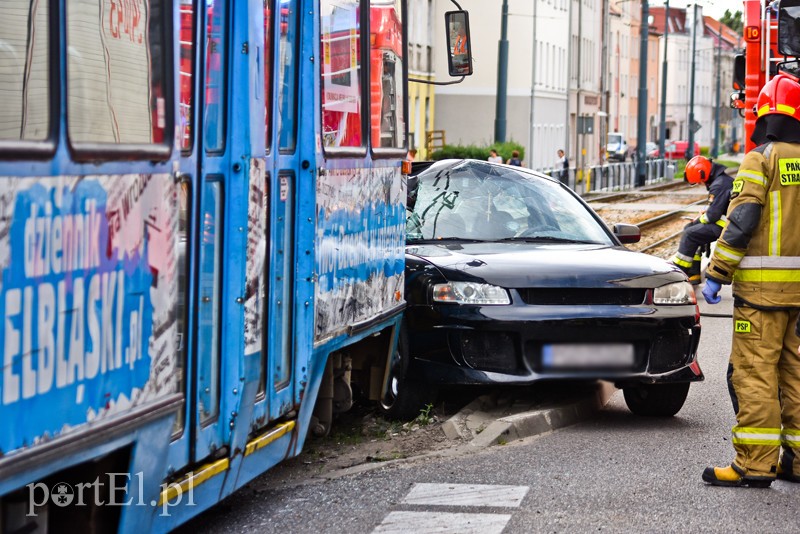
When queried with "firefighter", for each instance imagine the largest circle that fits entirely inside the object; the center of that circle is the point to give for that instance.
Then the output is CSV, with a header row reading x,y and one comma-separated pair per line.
x,y
705,229
759,252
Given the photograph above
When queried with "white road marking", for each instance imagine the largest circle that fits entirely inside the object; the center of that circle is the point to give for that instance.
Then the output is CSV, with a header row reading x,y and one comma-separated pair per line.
x,y
442,522
466,495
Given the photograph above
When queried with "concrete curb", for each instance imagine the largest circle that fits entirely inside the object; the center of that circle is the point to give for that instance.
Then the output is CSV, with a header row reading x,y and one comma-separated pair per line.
x,y
482,425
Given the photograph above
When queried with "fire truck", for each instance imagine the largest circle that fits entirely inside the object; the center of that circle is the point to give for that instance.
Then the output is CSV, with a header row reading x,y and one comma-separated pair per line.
x,y
772,44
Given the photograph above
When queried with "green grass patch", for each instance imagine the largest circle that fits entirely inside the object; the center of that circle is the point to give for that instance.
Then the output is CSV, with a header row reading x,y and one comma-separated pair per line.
x,y
727,162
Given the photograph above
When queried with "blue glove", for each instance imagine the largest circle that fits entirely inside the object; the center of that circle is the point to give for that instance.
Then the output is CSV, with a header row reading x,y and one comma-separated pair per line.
x,y
710,291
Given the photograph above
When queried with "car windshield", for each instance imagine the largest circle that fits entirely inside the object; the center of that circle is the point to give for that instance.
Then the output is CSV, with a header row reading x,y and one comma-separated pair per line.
x,y
475,200
614,139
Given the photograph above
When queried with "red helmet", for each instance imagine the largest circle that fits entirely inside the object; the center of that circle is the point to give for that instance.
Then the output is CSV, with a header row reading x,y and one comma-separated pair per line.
x,y
698,170
780,95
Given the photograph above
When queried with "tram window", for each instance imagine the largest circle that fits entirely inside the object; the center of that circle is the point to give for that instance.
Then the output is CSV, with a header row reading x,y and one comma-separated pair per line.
x,y
215,77
287,76
340,31
116,72
183,241
387,120
24,70
186,73
210,283
269,24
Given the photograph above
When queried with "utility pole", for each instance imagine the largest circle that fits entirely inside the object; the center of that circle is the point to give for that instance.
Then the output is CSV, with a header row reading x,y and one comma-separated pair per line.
x,y
715,151
690,148
662,129
531,162
502,78
641,172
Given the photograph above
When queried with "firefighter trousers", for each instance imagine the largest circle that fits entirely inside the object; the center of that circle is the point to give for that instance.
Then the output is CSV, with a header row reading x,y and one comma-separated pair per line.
x,y
695,235
765,366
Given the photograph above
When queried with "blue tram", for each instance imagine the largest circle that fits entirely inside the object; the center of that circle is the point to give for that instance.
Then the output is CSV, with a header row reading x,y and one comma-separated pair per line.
x,y
202,216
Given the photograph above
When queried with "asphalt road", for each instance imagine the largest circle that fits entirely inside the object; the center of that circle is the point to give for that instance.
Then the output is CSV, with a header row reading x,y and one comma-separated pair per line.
x,y
615,473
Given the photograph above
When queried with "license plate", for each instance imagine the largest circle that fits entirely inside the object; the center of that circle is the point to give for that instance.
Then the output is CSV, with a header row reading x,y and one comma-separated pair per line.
x,y
586,356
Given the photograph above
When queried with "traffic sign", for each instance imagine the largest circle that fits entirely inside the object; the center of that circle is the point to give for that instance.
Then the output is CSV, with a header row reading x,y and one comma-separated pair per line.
x,y
695,126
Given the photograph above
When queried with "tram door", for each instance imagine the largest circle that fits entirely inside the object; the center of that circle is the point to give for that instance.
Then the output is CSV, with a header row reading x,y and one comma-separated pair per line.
x,y
281,99
203,95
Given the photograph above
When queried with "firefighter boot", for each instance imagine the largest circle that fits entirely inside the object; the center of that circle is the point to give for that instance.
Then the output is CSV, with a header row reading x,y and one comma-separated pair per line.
x,y
785,466
694,271
730,476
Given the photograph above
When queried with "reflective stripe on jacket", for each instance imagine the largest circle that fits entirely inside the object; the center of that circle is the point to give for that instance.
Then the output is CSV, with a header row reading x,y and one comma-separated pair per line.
x,y
763,259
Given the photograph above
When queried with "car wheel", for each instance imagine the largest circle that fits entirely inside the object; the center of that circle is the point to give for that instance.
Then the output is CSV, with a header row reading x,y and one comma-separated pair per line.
x,y
405,398
660,400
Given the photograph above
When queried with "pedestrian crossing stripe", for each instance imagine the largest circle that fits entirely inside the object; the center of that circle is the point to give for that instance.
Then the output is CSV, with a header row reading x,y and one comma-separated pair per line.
x,y
452,495
742,327
442,522
466,495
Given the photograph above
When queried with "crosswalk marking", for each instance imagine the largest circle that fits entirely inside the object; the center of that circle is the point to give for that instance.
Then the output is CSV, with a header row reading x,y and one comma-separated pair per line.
x,y
441,522
466,495
472,495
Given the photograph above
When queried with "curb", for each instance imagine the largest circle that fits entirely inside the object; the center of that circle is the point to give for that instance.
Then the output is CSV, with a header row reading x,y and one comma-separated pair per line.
x,y
482,425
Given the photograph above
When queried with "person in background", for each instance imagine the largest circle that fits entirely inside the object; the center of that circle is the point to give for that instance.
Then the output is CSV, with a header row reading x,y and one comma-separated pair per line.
x,y
706,228
759,252
562,166
514,159
493,157
412,154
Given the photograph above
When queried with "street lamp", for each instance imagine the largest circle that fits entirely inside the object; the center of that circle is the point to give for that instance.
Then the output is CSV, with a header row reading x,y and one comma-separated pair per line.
x,y
642,118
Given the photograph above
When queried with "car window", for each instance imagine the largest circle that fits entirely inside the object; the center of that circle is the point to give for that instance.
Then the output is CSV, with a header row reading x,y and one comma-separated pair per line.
x,y
477,200
614,139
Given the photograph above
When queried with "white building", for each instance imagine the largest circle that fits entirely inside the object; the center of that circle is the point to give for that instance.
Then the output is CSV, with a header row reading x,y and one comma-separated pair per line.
x,y
537,93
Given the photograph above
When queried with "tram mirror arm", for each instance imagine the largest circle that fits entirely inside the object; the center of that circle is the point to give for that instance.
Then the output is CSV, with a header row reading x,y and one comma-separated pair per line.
x,y
459,47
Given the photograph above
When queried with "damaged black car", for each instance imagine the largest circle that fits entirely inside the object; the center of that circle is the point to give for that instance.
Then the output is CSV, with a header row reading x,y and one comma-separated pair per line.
x,y
511,278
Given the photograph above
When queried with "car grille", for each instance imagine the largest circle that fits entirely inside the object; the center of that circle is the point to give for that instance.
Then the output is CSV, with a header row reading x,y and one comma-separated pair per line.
x,y
548,296
668,351
489,351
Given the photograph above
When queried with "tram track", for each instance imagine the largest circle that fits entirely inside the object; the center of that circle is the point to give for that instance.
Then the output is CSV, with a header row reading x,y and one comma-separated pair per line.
x,y
661,218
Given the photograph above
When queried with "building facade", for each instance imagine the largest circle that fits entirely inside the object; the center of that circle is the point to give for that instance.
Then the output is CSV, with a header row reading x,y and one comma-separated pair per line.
x,y
573,76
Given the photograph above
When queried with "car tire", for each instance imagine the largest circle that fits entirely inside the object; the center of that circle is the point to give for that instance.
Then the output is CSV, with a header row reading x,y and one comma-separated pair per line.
x,y
405,398
656,400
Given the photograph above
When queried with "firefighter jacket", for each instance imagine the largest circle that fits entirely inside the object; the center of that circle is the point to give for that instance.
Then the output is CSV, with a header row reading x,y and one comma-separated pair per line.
x,y
719,196
759,250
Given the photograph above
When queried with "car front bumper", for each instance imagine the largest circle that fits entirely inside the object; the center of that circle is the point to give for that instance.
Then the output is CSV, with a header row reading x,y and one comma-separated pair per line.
x,y
453,345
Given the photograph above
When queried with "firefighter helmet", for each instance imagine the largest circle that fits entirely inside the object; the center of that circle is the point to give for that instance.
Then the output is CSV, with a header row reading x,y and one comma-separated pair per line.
x,y
698,170
780,95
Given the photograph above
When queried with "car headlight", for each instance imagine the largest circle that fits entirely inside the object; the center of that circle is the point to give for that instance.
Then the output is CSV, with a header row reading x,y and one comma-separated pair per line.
x,y
676,293
470,293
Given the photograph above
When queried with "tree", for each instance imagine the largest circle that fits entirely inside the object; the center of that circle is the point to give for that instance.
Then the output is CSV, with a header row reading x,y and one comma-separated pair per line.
x,y
733,21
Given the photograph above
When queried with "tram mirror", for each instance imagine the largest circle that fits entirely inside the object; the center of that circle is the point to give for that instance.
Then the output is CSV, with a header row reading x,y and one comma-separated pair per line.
x,y
738,72
459,47
789,28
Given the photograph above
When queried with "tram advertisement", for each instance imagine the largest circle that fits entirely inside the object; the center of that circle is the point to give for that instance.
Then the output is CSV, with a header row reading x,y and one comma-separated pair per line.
x,y
88,293
360,246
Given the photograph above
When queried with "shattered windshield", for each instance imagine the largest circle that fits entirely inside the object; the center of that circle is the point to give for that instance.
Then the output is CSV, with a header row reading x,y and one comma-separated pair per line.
x,y
475,200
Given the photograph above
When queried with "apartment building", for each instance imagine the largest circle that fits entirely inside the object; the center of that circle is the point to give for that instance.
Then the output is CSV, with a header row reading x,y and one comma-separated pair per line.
x,y
573,76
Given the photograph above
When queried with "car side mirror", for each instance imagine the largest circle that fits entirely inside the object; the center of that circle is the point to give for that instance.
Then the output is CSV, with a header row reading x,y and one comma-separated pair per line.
x,y
459,46
627,233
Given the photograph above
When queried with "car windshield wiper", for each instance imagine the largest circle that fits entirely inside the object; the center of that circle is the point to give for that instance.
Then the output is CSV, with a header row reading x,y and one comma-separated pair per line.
x,y
547,238
440,239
